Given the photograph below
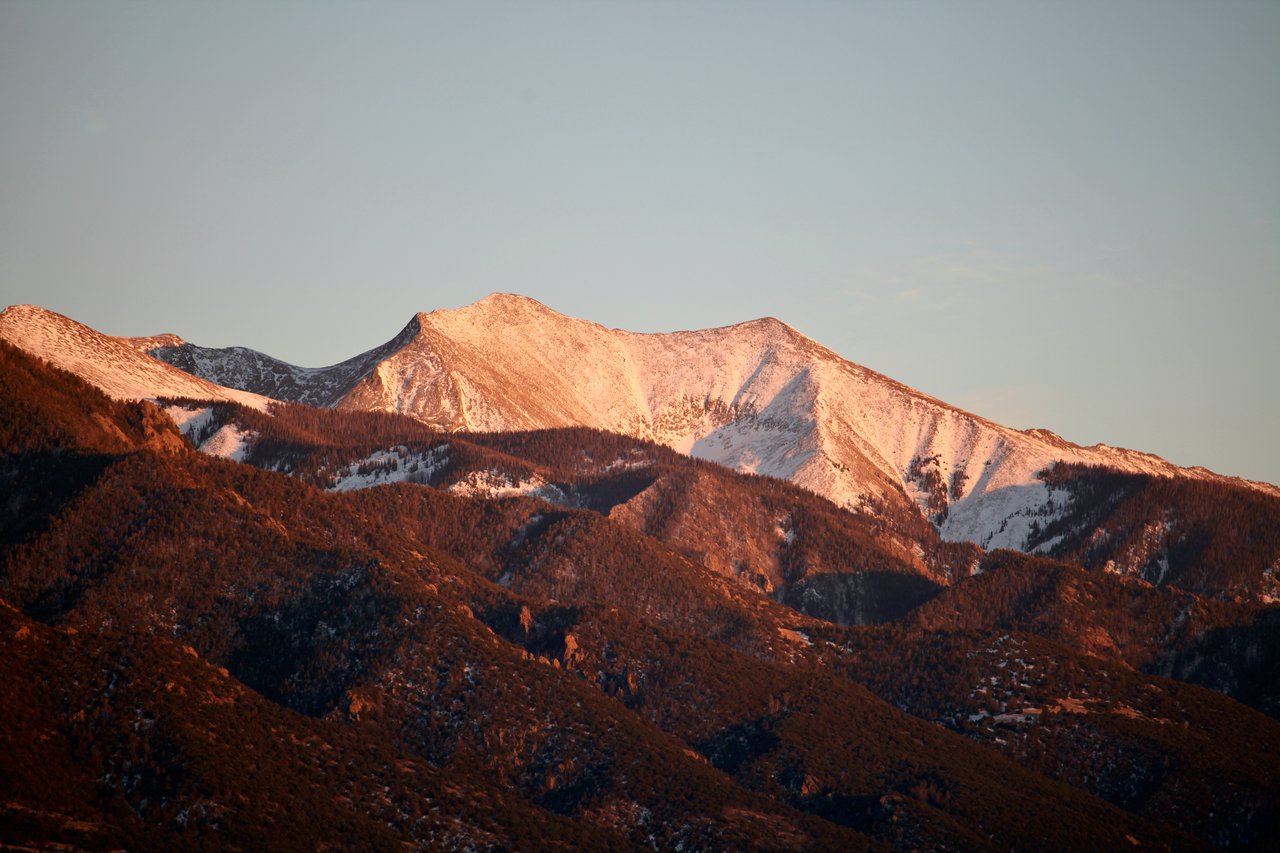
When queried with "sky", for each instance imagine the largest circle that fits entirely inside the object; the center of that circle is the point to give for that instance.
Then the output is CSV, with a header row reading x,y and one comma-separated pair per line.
x,y
1053,214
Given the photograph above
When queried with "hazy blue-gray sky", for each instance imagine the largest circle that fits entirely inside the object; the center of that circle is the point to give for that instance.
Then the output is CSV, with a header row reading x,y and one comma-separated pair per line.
x,y
1054,214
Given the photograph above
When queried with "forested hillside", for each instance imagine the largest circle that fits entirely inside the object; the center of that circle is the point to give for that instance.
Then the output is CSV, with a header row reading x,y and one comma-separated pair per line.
x,y
537,644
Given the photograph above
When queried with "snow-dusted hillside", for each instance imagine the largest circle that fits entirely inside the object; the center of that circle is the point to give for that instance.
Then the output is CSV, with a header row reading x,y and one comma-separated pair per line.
x,y
112,364
757,396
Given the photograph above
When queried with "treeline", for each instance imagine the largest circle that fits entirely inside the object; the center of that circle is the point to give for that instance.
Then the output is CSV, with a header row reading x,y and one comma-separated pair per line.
x,y
290,425
575,448
1210,537
46,409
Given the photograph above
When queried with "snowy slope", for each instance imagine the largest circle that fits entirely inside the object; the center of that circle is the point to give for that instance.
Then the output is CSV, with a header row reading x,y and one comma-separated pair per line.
x,y
112,364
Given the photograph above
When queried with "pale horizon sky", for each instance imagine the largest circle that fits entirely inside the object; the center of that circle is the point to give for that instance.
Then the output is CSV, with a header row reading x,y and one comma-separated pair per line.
x,y
1053,214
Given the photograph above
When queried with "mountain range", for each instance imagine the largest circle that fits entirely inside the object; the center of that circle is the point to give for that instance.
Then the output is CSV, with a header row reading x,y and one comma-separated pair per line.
x,y
757,397
512,581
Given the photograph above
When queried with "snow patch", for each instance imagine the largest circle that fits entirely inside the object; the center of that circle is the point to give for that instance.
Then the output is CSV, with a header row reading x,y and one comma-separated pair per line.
x,y
229,442
396,465
189,421
495,484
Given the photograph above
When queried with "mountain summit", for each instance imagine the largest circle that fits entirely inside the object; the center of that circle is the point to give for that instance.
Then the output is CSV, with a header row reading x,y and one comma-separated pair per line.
x,y
756,396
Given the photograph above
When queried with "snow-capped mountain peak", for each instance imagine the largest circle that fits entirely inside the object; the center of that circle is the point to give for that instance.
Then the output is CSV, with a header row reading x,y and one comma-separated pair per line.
x,y
757,396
